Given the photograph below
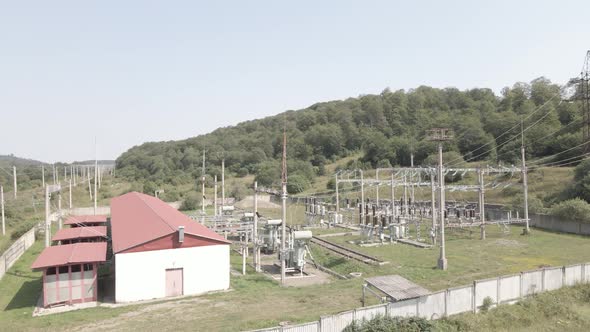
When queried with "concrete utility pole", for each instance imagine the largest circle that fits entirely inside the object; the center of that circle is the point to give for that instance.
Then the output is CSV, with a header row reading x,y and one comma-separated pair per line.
x,y
482,204
215,197
337,197
433,207
222,182
524,181
362,221
406,212
70,196
440,135
43,175
392,188
14,177
2,204
53,173
95,185
65,172
59,224
377,186
255,231
48,191
88,179
203,186
283,255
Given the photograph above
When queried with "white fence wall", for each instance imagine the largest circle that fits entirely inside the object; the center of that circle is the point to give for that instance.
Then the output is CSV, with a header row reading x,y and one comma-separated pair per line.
x,y
504,289
459,299
13,253
509,288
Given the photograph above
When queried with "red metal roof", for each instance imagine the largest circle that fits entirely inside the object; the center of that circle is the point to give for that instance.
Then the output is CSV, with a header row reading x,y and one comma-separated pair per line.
x,y
75,220
80,233
138,218
77,253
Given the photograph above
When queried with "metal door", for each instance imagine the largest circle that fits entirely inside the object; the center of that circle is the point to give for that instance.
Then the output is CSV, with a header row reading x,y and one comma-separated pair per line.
x,y
174,285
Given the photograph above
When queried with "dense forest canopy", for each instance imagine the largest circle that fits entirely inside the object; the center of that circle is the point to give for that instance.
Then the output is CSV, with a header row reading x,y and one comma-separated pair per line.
x,y
385,128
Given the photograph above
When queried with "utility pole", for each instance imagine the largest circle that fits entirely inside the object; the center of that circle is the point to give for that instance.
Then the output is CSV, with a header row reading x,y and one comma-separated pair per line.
x,y
222,182
2,203
433,208
392,188
440,135
283,255
43,175
482,218
14,177
88,179
337,197
255,231
70,196
377,186
524,180
59,223
53,173
215,197
203,187
48,191
362,221
95,176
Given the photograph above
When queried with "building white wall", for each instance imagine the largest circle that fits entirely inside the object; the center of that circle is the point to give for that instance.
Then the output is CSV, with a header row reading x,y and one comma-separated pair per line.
x,y
142,275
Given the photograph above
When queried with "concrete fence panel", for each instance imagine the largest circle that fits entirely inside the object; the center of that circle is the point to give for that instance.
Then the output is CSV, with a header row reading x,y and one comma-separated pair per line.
x,y
370,312
406,308
432,306
270,329
573,275
509,288
336,323
485,288
307,327
532,282
106,210
553,278
586,268
459,299
13,253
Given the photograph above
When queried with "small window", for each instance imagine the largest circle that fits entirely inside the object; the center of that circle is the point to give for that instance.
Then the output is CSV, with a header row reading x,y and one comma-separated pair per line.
x,y
50,271
88,267
63,269
76,268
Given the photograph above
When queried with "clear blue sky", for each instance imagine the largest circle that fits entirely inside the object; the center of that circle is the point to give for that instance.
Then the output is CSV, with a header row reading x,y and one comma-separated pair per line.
x,y
129,72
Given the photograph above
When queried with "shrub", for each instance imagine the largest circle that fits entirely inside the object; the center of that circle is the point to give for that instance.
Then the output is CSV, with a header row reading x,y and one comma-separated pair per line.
x,y
22,228
387,324
573,209
487,304
191,201
296,184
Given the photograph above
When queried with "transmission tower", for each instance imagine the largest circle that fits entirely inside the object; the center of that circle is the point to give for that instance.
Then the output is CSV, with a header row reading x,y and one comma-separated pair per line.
x,y
583,95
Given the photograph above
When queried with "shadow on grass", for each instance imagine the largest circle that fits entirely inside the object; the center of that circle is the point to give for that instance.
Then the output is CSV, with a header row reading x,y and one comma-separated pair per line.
x,y
26,296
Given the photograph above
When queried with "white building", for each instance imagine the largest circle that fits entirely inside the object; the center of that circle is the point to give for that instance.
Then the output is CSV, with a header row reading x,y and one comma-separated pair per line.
x,y
159,251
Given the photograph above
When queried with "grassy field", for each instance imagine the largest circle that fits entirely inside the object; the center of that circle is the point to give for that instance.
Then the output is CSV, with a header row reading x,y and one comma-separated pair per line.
x,y
567,309
256,301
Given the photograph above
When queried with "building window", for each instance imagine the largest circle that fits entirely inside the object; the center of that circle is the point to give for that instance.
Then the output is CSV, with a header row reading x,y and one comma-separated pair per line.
x,y
76,268
63,269
50,271
88,267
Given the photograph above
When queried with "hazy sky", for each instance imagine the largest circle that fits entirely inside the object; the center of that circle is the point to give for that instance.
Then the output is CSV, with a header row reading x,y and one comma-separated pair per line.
x,y
129,72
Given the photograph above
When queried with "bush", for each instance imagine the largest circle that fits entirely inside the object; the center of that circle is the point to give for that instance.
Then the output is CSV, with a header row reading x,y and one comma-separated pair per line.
x,y
22,228
487,304
191,202
390,324
296,184
573,209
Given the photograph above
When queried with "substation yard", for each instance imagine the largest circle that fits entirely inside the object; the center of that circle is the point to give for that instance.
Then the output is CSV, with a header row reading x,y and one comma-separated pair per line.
x,y
257,301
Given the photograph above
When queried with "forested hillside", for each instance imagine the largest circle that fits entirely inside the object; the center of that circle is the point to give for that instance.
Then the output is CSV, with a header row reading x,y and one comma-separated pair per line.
x,y
385,128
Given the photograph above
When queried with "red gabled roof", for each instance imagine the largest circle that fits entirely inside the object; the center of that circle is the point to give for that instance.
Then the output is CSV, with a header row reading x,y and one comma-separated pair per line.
x,y
77,253
75,220
80,233
138,218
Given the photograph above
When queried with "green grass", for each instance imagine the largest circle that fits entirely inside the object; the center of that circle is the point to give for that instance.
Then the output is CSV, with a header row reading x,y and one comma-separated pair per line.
x,y
256,301
566,309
